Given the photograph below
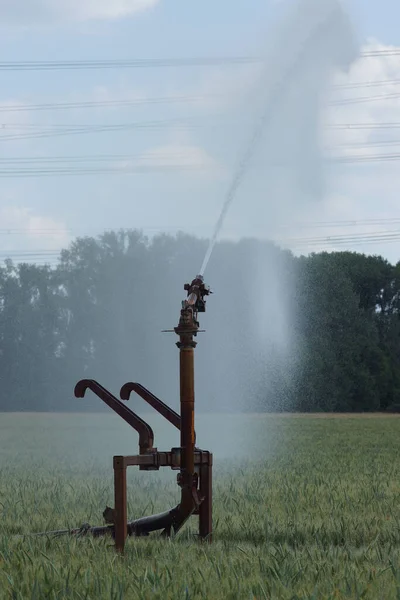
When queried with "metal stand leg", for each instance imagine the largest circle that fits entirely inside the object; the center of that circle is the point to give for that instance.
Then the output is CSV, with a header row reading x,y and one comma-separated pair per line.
x,y
121,512
205,509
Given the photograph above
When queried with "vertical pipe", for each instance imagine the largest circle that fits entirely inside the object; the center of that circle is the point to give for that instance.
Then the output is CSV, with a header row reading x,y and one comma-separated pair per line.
x,y
205,509
120,503
186,360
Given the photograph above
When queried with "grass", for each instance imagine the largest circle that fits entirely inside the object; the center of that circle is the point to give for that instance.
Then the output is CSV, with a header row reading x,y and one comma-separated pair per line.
x,y
308,508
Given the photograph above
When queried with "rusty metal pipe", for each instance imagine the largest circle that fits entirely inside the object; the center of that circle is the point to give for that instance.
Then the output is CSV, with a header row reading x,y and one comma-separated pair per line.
x,y
188,478
152,400
186,363
166,520
146,435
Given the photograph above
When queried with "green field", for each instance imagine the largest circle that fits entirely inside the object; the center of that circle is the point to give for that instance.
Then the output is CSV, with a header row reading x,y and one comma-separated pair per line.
x,y
304,507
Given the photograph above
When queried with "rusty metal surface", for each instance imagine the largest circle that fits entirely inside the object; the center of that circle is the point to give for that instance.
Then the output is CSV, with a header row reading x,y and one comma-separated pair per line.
x,y
120,500
196,292
186,361
205,508
166,459
152,400
146,435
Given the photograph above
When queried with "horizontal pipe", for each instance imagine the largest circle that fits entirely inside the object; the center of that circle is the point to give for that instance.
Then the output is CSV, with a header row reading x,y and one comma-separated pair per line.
x,y
166,459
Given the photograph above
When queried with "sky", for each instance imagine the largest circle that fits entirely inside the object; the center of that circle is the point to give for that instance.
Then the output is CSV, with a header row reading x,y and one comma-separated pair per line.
x,y
155,147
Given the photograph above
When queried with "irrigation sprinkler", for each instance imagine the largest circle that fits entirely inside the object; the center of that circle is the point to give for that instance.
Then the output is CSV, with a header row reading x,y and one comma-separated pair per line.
x,y
194,465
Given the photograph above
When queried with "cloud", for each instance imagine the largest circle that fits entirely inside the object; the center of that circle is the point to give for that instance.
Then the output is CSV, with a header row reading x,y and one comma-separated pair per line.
x,y
365,195
354,192
380,103
359,192
39,11
24,233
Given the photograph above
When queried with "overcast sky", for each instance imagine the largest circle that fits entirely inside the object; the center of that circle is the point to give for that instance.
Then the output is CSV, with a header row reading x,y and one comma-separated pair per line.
x,y
190,144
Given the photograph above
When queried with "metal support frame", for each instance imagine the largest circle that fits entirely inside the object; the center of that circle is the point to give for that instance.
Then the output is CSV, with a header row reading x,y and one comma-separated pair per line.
x,y
194,465
170,521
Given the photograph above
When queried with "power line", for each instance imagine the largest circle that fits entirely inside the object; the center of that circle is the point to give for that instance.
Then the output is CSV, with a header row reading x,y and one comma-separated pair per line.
x,y
366,145
364,158
135,164
363,99
128,102
175,228
44,257
364,84
366,126
50,65
149,156
30,253
19,108
79,129
354,222
340,223
389,234
140,63
318,246
377,53
61,130
62,126
47,106
69,171
379,235
108,164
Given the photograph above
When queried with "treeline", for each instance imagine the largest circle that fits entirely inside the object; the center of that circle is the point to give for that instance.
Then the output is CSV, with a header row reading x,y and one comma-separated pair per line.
x,y
317,333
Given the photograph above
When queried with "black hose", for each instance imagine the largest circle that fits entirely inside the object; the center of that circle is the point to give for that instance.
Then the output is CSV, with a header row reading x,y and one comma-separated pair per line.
x,y
140,527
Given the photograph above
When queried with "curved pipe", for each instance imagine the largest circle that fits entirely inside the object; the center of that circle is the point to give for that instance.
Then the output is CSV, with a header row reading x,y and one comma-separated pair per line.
x,y
166,520
172,519
151,399
146,435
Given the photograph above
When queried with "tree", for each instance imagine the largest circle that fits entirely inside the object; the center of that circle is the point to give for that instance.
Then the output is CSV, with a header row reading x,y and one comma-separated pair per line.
x,y
339,343
283,333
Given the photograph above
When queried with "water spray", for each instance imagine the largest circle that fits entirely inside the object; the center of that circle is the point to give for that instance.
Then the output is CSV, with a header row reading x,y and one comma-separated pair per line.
x,y
270,103
193,464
